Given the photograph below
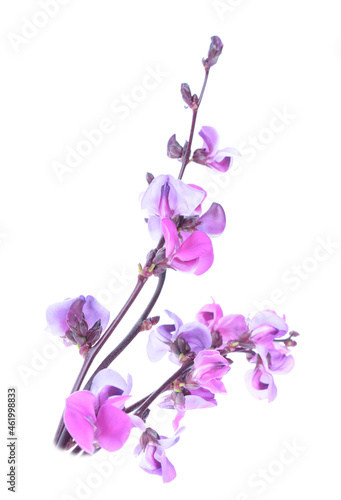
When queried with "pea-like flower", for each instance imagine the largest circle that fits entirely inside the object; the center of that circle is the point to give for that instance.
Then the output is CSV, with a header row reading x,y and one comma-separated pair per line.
x,y
95,419
78,321
154,460
179,339
210,155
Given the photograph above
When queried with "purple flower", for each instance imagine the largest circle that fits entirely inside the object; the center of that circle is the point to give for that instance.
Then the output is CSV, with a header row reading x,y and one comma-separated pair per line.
x,y
154,460
169,197
271,358
178,338
232,327
95,418
78,321
208,370
183,399
261,383
209,154
266,326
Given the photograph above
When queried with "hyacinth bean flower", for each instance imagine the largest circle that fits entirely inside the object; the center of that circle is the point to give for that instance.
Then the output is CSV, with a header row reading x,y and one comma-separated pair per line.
x,y
178,338
210,155
271,358
167,197
77,321
183,399
95,418
208,369
154,460
266,326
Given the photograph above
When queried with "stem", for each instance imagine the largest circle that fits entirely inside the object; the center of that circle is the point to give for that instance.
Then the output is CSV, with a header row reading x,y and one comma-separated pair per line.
x,y
185,160
92,353
163,387
62,436
132,334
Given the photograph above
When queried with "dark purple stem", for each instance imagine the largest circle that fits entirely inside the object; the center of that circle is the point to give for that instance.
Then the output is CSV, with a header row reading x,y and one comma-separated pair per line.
x,y
148,401
132,334
185,159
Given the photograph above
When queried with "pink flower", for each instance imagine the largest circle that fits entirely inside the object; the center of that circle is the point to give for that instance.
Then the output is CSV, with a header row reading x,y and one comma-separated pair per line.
x,y
271,358
209,315
261,383
208,370
183,399
95,418
266,326
209,154
154,460
195,252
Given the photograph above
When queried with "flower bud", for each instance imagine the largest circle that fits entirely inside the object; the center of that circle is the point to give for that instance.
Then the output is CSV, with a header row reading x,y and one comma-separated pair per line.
x,y
174,150
149,177
214,52
200,156
186,93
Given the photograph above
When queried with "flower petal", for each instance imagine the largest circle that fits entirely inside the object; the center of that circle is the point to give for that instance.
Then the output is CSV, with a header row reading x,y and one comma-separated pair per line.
x,y
94,311
211,139
213,221
170,233
113,427
79,418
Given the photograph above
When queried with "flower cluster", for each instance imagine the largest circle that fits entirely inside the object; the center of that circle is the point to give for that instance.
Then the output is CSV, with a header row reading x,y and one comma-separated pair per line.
x,y
96,417
208,342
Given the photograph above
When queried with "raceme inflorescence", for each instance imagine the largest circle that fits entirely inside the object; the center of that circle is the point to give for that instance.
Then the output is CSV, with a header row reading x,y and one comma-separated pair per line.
x,y
99,413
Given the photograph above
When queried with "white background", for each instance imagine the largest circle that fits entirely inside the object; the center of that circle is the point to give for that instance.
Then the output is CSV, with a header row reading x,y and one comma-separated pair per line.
x,y
62,237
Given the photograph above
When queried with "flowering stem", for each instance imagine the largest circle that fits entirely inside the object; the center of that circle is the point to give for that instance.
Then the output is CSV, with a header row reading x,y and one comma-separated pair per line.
x,y
185,159
62,436
132,334
146,402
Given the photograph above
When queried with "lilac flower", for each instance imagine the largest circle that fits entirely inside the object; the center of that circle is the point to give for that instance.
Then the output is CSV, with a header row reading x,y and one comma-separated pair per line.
x,y
183,399
261,383
209,154
95,418
78,321
271,359
167,197
154,460
208,370
209,315
266,326
177,338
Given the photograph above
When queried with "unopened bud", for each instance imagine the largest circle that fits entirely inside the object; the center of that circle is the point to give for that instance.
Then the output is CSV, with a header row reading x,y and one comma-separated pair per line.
x,y
214,52
200,156
148,323
160,256
290,343
186,93
294,334
149,177
174,150
232,345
